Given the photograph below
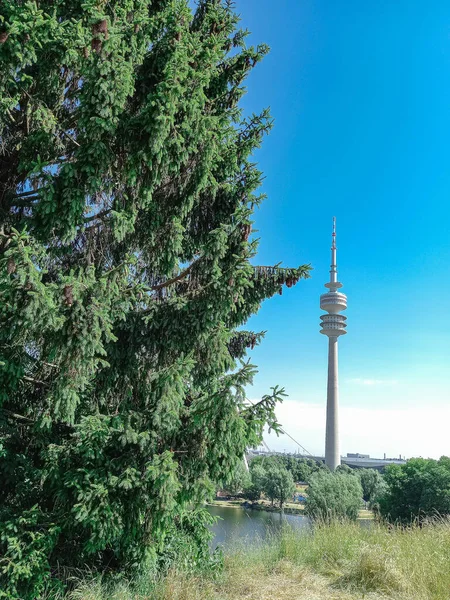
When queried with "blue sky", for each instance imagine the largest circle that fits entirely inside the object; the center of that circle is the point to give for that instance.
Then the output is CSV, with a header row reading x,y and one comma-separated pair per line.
x,y
360,94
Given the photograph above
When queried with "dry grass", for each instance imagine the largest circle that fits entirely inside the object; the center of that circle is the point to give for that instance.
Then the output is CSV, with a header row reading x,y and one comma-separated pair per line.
x,y
283,581
338,562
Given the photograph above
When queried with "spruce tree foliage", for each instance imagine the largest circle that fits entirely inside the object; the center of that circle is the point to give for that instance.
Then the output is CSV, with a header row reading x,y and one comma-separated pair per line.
x,y
127,189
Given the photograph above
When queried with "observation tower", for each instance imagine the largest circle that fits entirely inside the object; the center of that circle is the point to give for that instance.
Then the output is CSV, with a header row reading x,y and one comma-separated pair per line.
x,y
333,325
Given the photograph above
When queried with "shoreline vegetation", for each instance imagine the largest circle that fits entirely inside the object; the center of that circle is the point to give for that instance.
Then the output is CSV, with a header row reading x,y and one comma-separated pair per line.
x,y
288,509
341,561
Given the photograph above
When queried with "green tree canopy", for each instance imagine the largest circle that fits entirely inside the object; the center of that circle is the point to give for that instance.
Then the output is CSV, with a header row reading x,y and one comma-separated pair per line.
x,y
278,484
418,489
371,482
333,496
255,486
345,469
301,468
127,188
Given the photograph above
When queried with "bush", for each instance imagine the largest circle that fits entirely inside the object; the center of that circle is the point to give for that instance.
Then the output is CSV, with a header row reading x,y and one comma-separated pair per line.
x,y
25,544
186,545
418,489
333,495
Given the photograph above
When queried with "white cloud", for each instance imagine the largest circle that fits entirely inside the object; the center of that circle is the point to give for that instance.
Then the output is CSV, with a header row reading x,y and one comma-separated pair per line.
x,y
409,431
361,381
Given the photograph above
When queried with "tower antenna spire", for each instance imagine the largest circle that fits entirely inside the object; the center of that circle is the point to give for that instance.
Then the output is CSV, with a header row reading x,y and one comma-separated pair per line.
x,y
333,266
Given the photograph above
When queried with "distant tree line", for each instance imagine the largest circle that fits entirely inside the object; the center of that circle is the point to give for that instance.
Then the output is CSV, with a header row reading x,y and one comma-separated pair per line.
x,y
300,468
419,489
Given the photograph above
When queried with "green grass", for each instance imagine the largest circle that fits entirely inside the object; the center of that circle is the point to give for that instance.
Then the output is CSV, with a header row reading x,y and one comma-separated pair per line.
x,y
342,561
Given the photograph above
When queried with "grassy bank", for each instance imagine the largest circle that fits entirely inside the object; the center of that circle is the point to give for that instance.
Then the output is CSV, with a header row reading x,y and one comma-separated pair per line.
x,y
337,562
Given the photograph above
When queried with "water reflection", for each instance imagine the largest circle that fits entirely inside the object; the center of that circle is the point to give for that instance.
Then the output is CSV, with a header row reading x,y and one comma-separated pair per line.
x,y
239,525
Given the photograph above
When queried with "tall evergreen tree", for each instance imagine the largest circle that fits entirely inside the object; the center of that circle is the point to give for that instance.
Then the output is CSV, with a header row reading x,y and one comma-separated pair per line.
x,y
127,190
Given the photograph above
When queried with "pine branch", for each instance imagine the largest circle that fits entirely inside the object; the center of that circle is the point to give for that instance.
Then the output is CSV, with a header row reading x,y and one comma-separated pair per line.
x,y
29,193
24,203
99,215
242,340
35,381
37,360
14,415
70,138
179,277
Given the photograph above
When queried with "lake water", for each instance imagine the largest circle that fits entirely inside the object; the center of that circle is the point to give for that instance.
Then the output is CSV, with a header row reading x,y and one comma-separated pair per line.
x,y
237,525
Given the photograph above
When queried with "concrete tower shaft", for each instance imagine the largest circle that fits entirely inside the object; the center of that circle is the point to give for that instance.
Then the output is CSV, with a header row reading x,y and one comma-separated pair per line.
x,y
333,325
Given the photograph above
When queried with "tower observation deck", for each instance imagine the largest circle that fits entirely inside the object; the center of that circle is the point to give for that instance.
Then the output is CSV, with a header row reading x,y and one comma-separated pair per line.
x,y
333,325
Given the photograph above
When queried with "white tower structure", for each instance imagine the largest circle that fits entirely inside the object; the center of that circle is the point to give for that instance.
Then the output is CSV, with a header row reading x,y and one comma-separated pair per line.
x,y
333,325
